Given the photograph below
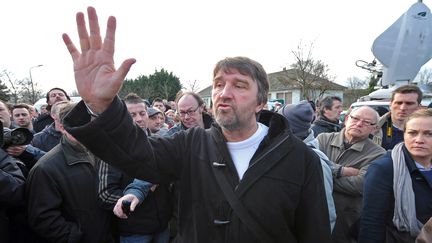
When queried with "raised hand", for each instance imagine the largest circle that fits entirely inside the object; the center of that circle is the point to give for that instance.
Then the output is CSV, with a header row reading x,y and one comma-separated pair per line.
x,y
96,77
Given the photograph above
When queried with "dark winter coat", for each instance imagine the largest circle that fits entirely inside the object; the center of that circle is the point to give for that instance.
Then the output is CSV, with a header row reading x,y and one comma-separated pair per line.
x,y
42,121
287,201
12,186
62,196
324,125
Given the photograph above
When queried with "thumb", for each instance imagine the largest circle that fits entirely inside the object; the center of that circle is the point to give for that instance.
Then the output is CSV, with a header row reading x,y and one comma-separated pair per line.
x,y
125,67
134,203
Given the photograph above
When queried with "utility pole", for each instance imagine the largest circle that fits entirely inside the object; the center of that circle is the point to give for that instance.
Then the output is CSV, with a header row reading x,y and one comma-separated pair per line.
x,y
33,96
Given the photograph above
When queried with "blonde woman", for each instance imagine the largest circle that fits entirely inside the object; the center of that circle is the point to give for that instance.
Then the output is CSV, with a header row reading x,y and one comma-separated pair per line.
x,y
398,187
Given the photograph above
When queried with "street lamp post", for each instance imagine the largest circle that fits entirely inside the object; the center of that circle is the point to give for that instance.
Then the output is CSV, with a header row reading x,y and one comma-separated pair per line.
x,y
32,85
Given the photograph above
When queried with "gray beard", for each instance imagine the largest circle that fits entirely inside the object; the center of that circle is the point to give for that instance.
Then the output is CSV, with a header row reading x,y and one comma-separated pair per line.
x,y
230,126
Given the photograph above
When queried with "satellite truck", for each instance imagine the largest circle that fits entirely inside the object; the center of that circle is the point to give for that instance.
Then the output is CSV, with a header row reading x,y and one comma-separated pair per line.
x,y
401,50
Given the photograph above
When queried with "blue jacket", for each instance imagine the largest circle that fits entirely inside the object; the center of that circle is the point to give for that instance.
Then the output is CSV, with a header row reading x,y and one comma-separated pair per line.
x,y
139,188
378,198
47,139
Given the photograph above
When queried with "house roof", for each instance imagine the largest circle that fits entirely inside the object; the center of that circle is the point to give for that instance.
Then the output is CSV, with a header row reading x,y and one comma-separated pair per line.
x,y
206,92
286,79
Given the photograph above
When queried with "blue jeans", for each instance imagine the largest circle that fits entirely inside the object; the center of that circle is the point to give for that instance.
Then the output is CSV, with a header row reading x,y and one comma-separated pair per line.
x,y
162,237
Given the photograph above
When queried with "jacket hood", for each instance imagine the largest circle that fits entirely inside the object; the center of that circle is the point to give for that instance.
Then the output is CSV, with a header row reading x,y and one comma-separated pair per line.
x,y
276,122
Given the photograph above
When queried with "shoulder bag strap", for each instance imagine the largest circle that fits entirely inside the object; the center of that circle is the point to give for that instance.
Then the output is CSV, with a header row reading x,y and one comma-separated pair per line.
x,y
237,206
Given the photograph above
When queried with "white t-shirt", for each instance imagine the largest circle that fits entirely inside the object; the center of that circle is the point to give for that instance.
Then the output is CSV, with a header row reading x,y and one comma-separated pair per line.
x,y
242,152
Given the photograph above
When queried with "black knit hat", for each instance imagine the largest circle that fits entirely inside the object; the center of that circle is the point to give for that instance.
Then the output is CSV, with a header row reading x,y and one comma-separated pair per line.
x,y
300,117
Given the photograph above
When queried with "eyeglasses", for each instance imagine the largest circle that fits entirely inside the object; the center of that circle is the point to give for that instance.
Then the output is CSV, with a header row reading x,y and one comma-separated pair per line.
x,y
364,122
190,112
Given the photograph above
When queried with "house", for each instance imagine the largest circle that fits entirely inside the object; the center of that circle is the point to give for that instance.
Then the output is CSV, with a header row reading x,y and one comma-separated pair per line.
x,y
284,86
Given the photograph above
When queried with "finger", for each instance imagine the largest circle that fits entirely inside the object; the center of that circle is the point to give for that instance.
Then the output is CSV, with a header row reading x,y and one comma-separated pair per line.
x,y
109,41
134,203
124,68
115,209
118,210
82,32
73,51
95,38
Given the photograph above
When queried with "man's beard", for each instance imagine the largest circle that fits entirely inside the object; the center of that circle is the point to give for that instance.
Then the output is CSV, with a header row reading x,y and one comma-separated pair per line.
x,y
229,124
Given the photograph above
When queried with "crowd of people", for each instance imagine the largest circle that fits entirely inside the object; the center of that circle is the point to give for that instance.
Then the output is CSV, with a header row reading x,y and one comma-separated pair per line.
x,y
121,169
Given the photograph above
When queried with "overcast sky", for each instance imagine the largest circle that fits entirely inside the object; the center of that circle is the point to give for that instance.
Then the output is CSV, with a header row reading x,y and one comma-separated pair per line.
x,y
188,37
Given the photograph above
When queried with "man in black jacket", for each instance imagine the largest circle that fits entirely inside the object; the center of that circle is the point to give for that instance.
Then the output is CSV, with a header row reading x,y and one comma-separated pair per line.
x,y
62,194
53,96
239,181
328,118
12,185
150,220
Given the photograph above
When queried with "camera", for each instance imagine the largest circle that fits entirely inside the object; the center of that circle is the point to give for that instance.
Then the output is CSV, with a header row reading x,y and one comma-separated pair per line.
x,y
17,136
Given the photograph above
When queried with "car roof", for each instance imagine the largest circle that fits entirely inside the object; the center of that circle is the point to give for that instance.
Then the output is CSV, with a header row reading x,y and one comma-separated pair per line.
x,y
371,103
42,101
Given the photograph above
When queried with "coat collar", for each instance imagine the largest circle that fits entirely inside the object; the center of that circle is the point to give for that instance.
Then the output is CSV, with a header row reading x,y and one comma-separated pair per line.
x,y
339,142
76,153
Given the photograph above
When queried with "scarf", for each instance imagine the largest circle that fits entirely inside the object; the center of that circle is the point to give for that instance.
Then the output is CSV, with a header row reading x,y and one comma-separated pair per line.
x,y
404,217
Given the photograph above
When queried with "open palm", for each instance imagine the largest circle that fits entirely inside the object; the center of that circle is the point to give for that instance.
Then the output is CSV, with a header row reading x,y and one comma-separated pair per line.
x,y
96,77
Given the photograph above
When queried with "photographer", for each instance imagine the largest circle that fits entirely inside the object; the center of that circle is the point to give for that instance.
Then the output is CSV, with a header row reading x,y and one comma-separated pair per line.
x,y
13,172
16,143
28,154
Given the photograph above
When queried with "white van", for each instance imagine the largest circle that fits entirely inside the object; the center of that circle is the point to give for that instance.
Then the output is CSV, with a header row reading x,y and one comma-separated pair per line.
x,y
42,101
380,106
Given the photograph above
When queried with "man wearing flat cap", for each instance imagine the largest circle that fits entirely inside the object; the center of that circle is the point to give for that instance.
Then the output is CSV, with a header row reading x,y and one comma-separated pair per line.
x,y
156,122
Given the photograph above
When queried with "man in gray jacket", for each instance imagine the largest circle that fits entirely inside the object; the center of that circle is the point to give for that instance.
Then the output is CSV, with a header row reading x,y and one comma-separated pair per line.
x,y
352,151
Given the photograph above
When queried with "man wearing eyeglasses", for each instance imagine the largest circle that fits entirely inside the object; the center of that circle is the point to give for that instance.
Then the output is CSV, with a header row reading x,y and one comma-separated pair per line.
x,y
190,107
352,151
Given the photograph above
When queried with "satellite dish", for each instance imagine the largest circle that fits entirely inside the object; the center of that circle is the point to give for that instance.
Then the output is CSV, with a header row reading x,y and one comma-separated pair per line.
x,y
405,46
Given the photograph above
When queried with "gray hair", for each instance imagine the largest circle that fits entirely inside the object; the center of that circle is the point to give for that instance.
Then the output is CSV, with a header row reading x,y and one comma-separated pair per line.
x,y
249,67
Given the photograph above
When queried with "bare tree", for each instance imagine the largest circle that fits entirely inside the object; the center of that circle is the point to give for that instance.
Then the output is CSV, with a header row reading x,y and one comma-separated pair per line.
x,y
310,72
355,83
19,90
192,86
425,76
7,76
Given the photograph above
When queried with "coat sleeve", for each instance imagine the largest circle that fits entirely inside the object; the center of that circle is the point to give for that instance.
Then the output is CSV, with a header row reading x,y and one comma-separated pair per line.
x,y
110,185
139,188
313,208
44,202
12,181
353,185
377,201
114,138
